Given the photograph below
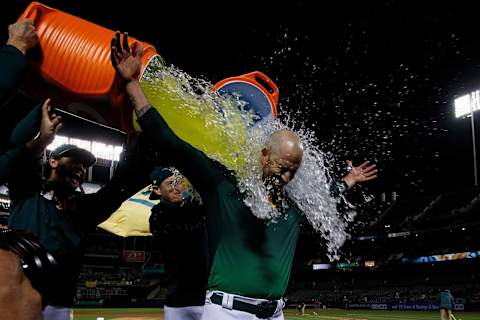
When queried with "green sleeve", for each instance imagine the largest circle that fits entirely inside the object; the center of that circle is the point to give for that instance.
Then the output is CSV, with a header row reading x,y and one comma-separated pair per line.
x,y
27,128
191,162
9,158
131,174
17,161
23,175
338,188
12,64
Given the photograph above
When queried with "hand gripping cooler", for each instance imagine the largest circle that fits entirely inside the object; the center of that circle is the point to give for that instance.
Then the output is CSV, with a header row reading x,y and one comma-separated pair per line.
x,y
73,64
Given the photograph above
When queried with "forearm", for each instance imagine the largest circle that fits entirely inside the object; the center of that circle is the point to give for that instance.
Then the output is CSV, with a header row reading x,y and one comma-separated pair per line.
x,y
37,146
25,146
9,159
138,98
27,129
12,64
349,181
22,172
18,299
132,173
191,162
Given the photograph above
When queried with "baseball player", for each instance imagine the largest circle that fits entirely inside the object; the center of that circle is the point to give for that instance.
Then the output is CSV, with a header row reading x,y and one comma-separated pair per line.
x,y
177,223
251,260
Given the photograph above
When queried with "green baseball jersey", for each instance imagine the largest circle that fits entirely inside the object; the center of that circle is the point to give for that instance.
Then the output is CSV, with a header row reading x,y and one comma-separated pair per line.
x,y
249,256
12,63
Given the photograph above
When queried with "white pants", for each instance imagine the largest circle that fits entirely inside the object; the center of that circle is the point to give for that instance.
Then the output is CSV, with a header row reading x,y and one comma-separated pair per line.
x,y
225,312
57,313
183,313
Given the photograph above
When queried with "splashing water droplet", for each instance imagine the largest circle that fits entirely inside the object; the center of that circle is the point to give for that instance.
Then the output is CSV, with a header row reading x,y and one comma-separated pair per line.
x,y
219,127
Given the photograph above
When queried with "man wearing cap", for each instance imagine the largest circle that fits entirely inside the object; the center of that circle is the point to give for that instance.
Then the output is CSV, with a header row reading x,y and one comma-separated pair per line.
x,y
51,207
177,225
251,259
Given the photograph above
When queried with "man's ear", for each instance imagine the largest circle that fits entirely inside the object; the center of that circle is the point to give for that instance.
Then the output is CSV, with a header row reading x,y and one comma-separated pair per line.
x,y
264,157
156,190
53,163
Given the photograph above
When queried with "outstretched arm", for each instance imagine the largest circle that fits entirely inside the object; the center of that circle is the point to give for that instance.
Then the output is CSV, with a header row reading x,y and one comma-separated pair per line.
x,y
20,163
127,63
21,37
190,161
50,124
362,173
359,174
130,175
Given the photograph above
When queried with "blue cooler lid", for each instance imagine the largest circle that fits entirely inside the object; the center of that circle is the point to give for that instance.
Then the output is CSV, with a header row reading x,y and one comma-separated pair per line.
x,y
255,99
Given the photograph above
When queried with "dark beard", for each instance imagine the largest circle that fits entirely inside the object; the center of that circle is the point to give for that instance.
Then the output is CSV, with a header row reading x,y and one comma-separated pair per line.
x,y
63,188
275,189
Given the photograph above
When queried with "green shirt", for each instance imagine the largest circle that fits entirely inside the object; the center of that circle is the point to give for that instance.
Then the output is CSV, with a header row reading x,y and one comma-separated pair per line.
x,y
250,257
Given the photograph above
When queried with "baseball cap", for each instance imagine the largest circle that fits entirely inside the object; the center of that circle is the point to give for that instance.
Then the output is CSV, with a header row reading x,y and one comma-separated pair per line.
x,y
70,150
158,175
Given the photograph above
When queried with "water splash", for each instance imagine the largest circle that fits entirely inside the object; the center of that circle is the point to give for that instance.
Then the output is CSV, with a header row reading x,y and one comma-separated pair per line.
x,y
210,122
218,126
310,189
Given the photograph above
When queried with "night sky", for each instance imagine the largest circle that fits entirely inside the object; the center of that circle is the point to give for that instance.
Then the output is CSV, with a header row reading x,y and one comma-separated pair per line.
x,y
375,80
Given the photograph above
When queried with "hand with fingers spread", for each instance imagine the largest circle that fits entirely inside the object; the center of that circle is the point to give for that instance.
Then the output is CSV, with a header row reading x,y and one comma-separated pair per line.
x,y
22,35
127,62
49,126
362,173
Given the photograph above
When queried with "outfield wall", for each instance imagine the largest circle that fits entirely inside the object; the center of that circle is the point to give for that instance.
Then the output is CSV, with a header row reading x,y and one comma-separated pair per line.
x,y
402,306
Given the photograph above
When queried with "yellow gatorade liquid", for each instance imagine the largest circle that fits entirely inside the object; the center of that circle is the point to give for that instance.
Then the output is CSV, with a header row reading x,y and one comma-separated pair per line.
x,y
211,123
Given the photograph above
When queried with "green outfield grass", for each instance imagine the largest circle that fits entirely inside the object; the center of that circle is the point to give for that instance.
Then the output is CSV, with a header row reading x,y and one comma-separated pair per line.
x,y
290,314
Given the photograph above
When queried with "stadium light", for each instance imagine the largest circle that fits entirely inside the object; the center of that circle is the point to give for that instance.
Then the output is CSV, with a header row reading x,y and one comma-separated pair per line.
x,y
321,266
465,106
98,149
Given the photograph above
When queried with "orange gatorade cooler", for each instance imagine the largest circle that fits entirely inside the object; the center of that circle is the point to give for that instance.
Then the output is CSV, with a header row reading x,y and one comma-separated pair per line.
x,y
256,90
72,64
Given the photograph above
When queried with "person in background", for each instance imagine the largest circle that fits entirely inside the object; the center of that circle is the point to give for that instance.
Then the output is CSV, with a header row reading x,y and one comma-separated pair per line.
x,y
446,305
52,208
177,224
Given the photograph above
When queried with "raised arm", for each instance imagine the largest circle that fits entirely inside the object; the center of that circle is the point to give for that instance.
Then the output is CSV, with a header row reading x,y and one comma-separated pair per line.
x,y
21,37
197,167
20,163
362,173
131,174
